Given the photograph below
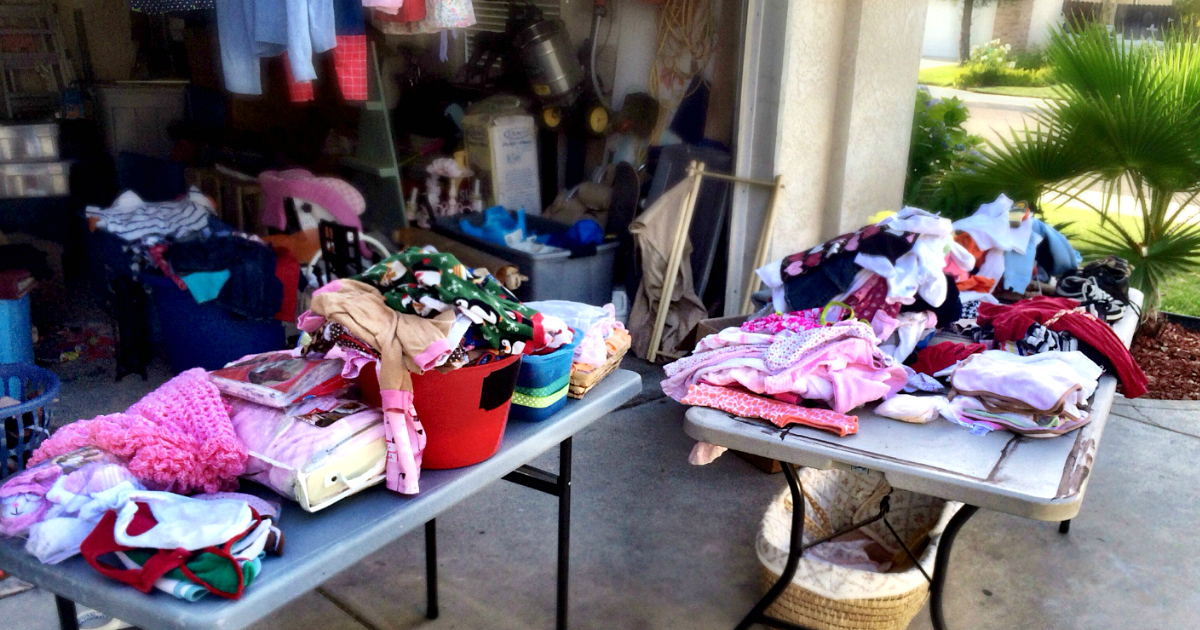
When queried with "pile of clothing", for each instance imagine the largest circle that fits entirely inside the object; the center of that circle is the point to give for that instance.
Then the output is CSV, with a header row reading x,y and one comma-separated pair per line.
x,y
1040,395
754,372
112,489
185,242
249,30
149,496
908,311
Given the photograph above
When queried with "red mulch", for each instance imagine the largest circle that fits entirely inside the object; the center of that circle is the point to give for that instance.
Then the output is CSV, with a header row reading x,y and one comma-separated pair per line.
x,y
1170,357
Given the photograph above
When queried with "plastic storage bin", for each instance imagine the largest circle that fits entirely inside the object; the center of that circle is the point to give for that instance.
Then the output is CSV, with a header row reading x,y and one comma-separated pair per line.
x,y
553,276
28,143
543,383
27,423
206,335
16,331
36,179
464,411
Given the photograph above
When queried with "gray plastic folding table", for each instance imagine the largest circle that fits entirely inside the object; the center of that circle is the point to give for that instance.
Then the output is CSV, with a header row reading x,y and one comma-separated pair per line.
x,y
1042,479
323,544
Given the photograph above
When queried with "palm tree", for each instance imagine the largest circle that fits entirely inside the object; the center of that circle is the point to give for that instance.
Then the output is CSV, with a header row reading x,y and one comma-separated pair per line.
x,y
1125,122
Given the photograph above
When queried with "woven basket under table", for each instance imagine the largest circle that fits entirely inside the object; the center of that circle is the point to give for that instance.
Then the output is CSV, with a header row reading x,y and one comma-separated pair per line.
x,y
824,596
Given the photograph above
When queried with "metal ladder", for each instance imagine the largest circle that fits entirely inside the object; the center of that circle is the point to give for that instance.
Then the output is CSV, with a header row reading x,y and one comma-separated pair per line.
x,y
33,29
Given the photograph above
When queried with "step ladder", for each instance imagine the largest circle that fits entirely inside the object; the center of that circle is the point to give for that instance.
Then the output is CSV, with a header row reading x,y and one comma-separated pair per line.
x,y
34,68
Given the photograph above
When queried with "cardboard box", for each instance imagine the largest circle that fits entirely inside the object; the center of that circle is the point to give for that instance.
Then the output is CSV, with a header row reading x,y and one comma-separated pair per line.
x,y
502,149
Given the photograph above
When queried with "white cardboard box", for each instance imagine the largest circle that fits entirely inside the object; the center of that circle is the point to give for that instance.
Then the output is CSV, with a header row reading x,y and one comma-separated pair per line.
x,y
503,151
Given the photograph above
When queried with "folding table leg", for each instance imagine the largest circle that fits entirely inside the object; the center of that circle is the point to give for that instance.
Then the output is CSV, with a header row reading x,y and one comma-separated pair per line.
x,y
431,586
67,615
758,614
564,531
941,564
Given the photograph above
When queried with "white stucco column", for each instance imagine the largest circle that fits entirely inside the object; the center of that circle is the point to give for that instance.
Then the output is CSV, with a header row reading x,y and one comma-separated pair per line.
x,y
845,114
845,96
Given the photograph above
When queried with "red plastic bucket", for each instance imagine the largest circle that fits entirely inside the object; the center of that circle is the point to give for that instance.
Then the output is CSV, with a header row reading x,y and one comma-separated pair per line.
x,y
464,411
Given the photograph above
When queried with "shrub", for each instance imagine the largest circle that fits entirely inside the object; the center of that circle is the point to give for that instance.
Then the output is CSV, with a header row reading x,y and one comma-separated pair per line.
x,y
939,142
1126,124
994,64
1028,59
985,76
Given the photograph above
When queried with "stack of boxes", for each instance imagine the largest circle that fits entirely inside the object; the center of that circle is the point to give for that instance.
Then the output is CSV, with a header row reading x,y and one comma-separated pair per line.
x,y
29,164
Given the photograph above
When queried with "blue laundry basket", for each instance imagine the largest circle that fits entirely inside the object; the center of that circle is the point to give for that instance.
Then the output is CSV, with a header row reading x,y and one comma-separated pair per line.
x,y
16,331
27,423
206,335
543,382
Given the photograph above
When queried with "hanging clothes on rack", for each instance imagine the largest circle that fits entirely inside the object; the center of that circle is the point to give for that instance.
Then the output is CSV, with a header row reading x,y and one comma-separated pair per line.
x,y
349,56
439,15
249,30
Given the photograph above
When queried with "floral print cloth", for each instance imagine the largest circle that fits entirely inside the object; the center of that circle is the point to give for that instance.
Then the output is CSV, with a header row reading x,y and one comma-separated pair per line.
x,y
780,414
795,321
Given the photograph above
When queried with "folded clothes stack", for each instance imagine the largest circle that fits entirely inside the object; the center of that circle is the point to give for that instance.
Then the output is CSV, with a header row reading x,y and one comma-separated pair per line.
x,y
932,318
1041,395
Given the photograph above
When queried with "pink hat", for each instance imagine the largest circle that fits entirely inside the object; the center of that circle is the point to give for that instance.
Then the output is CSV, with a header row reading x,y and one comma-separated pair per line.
x,y
337,196
177,438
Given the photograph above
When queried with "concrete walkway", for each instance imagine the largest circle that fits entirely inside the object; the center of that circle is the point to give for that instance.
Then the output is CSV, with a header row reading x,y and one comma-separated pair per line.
x,y
658,543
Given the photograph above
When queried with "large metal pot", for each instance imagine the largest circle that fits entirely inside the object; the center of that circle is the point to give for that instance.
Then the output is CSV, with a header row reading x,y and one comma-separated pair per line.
x,y
555,75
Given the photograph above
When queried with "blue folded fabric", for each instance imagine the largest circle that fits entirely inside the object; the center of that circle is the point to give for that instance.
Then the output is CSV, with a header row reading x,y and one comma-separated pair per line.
x,y
205,286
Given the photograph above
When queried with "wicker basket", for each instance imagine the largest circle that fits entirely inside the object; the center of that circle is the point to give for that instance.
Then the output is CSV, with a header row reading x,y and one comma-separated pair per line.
x,y
826,596
582,382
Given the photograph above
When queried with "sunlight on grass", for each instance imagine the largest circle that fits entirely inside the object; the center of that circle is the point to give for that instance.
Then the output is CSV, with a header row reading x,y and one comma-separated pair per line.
x,y
1024,91
941,76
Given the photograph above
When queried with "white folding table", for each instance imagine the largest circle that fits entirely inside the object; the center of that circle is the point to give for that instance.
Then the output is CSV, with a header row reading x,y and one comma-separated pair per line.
x,y
1043,479
323,544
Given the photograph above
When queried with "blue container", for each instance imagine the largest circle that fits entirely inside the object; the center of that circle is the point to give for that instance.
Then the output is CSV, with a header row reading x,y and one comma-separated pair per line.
x,y
543,382
23,426
206,335
16,331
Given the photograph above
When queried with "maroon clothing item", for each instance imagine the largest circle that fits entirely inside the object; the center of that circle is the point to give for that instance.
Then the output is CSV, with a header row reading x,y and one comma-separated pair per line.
x,y
939,356
1012,321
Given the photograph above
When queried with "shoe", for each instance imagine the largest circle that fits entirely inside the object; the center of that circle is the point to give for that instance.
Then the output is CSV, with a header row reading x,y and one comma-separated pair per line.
x,y
1111,274
1098,302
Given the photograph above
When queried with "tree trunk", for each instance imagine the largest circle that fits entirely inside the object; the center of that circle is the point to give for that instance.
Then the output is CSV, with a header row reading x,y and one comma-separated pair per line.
x,y
964,32
1108,12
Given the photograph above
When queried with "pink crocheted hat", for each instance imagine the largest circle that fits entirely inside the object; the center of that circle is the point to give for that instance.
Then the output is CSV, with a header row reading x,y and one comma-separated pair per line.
x,y
178,438
341,199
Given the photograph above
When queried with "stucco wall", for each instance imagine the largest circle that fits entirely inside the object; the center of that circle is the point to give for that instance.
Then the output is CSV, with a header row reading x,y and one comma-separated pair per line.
x,y
1047,15
875,112
845,115
942,27
807,117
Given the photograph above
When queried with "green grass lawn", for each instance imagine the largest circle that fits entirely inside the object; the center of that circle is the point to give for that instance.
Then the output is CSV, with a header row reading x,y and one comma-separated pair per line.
x,y
943,76
1181,293
1012,90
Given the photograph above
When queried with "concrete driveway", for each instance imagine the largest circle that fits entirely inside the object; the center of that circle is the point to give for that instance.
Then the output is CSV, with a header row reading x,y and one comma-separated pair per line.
x,y
992,115
658,543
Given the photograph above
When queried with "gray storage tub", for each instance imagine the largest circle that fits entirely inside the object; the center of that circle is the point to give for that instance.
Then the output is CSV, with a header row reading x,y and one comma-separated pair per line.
x,y
554,276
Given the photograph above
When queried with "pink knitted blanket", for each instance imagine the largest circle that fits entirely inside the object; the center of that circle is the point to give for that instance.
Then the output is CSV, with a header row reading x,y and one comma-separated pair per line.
x,y
178,438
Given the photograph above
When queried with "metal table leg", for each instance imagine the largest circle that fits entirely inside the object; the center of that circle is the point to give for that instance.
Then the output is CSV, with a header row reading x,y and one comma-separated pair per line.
x,y
942,564
564,532
560,486
431,586
67,615
795,549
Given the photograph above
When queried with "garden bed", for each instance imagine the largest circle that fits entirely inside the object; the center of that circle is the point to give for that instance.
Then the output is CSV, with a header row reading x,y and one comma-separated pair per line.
x,y
1170,357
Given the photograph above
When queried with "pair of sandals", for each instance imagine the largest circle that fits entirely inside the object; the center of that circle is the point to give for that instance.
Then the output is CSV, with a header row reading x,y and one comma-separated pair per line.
x,y
1101,286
